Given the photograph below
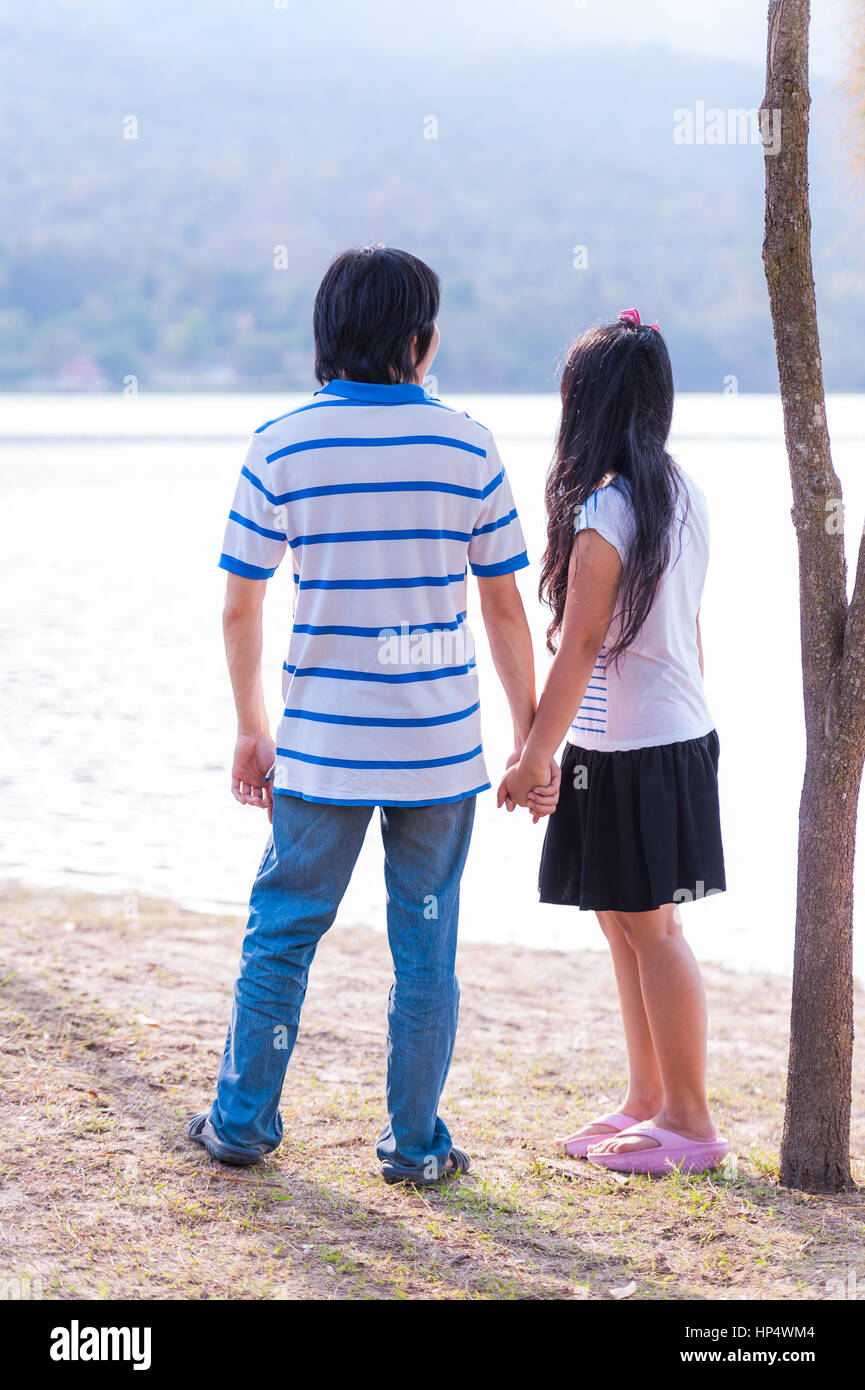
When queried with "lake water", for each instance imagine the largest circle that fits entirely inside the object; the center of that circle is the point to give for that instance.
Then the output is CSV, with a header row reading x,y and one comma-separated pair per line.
x,y
117,719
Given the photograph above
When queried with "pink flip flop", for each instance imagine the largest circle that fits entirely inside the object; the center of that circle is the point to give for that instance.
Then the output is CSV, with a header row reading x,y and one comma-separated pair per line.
x,y
672,1151
577,1145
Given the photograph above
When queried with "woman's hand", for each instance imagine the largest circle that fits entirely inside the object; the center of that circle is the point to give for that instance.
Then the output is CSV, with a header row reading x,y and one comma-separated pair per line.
x,y
543,801
524,780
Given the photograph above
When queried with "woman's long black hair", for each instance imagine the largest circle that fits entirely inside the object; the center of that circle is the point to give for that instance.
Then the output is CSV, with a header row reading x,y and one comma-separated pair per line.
x,y
617,408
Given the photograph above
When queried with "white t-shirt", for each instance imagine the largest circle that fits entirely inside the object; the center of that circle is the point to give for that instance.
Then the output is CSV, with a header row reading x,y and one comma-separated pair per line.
x,y
655,693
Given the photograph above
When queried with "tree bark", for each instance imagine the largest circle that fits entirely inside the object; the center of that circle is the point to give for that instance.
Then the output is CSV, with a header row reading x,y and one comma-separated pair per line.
x,y
815,1151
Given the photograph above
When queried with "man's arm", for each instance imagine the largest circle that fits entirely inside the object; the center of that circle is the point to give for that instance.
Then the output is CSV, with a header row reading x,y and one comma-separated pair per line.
x,y
255,750
511,647
593,585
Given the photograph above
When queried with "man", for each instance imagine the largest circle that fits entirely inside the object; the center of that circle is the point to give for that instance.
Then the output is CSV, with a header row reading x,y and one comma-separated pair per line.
x,y
384,496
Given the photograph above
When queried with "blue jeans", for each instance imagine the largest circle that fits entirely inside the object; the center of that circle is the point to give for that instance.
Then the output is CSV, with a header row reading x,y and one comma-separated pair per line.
x,y
300,883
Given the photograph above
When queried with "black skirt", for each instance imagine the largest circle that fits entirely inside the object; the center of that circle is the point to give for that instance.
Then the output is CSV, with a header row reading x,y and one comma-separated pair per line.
x,y
635,830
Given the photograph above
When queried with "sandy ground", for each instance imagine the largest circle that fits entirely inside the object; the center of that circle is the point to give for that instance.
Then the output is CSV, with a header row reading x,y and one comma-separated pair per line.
x,y
114,1016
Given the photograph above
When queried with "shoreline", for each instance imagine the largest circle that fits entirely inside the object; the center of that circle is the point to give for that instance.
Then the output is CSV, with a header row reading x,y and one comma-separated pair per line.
x,y
114,1027
238,912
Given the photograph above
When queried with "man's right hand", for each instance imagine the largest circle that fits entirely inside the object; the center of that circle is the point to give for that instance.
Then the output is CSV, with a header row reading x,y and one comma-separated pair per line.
x,y
253,758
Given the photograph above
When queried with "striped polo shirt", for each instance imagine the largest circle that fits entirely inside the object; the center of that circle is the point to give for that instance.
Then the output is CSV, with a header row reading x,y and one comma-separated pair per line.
x,y
384,497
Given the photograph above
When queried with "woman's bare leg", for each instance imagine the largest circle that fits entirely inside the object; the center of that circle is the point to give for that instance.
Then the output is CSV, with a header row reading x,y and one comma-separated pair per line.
x,y
645,1091
675,1004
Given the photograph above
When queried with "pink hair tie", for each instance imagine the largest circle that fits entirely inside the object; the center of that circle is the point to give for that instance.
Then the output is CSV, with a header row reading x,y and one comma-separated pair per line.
x,y
633,316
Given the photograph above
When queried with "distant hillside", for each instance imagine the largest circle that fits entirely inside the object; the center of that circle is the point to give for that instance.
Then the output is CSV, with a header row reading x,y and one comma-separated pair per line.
x,y
154,257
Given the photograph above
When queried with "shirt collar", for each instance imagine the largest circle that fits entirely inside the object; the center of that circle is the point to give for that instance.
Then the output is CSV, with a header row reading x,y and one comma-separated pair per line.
x,y
379,392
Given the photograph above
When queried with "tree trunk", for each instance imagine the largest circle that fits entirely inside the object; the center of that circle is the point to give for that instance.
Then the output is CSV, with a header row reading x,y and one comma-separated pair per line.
x,y
815,1150
815,1153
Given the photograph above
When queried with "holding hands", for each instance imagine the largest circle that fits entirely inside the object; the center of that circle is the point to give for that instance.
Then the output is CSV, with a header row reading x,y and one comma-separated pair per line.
x,y
535,786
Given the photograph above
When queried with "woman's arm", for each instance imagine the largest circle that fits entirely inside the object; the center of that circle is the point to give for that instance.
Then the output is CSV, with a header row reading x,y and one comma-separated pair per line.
x,y
595,571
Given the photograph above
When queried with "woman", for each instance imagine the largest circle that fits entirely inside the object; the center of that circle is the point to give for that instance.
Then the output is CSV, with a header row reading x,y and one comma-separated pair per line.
x,y
637,829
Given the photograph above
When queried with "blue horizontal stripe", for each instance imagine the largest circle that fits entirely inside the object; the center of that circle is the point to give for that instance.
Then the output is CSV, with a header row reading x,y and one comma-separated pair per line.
x,y
228,562
256,482
341,489
493,484
358,720
315,405
340,631
403,678
388,441
253,526
417,582
352,801
339,537
496,525
365,765
320,405
516,562
590,719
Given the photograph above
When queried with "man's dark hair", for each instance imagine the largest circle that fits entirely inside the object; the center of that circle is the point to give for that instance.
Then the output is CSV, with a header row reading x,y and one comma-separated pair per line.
x,y
370,306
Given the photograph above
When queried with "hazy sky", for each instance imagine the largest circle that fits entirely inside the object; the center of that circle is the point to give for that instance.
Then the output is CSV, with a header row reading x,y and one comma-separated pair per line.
x,y
734,28
728,28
